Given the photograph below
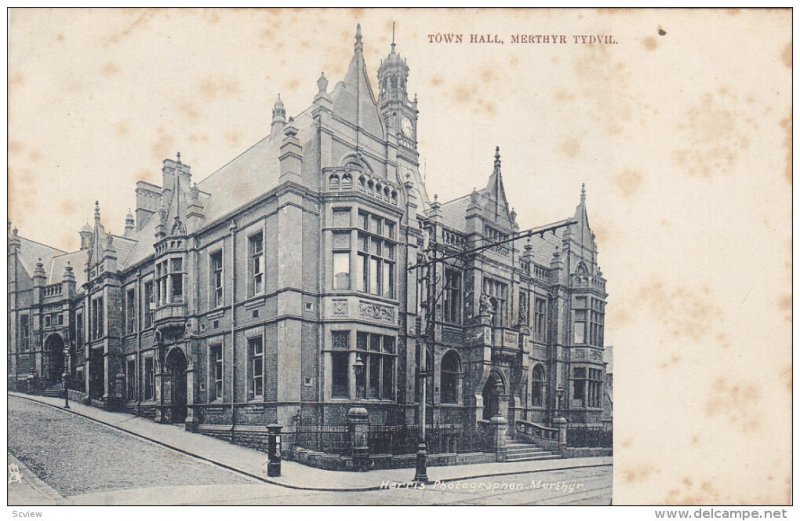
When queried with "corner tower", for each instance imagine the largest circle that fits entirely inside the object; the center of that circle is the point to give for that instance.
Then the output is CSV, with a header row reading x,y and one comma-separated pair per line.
x,y
398,112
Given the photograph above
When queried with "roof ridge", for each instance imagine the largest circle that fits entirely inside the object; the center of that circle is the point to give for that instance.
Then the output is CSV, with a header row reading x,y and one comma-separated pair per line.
x,y
41,244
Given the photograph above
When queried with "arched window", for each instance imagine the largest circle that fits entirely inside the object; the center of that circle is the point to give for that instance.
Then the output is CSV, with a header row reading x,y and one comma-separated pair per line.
x,y
450,372
538,386
347,182
333,182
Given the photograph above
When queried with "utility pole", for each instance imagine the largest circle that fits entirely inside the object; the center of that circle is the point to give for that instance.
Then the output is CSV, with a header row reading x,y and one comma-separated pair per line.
x,y
430,262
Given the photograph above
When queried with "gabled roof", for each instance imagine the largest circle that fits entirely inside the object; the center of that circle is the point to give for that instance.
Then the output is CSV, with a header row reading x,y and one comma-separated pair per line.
x,y
76,259
31,251
353,99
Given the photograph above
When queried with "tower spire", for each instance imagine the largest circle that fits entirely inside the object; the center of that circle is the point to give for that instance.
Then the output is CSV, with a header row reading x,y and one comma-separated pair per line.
x,y
358,45
583,193
393,44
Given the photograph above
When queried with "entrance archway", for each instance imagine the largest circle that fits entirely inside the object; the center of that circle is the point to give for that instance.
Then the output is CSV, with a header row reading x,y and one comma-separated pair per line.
x,y
53,365
491,397
174,381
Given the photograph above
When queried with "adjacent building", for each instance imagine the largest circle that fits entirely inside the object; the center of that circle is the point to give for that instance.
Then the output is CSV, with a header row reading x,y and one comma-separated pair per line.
x,y
248,297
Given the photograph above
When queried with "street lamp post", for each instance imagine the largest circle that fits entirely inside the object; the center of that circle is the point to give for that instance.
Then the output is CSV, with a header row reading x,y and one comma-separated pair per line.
x,y
559,397
64,377
358,370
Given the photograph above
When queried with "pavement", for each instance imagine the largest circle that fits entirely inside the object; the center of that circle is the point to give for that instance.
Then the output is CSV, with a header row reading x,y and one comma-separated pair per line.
x,y
295,476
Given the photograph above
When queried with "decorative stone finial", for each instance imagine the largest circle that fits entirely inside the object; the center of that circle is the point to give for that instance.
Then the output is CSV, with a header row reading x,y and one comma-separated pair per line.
x,y
497,157
322,82
179,157
290,130
97,211
583,193
358,45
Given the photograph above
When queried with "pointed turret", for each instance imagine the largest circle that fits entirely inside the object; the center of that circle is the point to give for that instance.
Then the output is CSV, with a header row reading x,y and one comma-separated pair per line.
x,y
496,190
130,224
278,116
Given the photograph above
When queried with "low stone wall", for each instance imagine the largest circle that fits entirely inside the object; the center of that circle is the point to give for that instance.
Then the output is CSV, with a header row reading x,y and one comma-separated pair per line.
x,y
586,452
386,461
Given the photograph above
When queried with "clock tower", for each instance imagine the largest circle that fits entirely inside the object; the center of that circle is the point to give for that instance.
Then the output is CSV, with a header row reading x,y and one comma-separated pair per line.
x,y
397,111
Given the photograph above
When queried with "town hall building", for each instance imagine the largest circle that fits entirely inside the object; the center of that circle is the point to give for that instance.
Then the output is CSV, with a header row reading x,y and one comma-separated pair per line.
x,y
249,296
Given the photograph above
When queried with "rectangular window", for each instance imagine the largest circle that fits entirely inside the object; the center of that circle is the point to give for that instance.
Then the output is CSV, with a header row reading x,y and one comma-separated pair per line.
x,y
130,380
579,326
340,364
79,329
217,298
59,319
161,283
149,304
452,296
176,280
148,379
256,264
498,296
215,362
47,321
376,256
97,326
377,353
256,348
130,311
540,319
24,332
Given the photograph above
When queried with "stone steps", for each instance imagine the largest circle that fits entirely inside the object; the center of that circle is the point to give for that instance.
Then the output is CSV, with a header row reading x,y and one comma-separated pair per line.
x,y
517,451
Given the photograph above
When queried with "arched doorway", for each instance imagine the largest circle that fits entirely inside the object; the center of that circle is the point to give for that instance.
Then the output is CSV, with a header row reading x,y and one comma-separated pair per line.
x,y
53,363
491,397
175,384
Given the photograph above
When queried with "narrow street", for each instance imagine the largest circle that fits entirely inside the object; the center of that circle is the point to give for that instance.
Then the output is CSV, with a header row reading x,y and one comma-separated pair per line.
x,y
89,463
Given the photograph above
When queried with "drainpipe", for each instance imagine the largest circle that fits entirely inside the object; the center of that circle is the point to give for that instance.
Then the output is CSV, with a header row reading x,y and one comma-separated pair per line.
x,y
233,328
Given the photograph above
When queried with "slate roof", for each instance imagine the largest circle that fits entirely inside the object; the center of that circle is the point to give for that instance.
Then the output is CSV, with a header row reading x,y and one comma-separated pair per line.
x,y
31,251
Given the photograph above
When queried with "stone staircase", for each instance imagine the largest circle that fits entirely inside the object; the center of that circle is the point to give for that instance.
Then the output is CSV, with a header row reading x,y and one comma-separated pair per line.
x,y
53,392
518,451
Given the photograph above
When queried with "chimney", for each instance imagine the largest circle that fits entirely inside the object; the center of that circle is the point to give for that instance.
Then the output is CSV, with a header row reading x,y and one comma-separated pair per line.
x,y
148,200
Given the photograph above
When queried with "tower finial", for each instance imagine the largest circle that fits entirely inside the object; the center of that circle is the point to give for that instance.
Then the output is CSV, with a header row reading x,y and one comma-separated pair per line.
x,y
497,158
97,211
358,46
583,193
179,157
393,44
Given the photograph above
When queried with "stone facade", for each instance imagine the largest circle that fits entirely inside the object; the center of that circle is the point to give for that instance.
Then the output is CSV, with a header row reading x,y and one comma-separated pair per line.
x,y
247,298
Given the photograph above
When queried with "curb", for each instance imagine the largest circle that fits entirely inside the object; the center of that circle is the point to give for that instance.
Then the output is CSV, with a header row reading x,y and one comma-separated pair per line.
x,y
286,485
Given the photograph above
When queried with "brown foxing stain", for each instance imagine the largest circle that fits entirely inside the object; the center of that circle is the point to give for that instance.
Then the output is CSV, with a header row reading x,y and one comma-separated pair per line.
x,y
686,311
67,207
233,137
163,146
626,443
150,176
713,134
606,88
786,376
16,79
638,473
619,316
293,85
570,147
487,75
35,155
14,147
189,111
140,19
695,440
198,138
210,88
464,94
513,61
787,55
733,11
121,128
673,360
786,125
563,96
60,38
723,340
650,43
437,81
687,493
109,69
736,401
628,182
785,305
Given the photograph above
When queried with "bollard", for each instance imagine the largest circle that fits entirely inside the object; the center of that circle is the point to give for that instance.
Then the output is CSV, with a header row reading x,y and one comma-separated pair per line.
x,y
274,450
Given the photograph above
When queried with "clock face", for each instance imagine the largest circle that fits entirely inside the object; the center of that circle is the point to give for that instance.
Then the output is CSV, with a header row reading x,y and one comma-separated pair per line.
x,y
407,127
